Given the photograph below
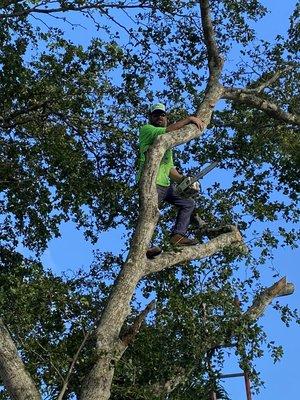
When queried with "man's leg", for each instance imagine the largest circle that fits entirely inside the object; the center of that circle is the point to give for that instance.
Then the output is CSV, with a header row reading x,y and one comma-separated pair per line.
x,y
185,209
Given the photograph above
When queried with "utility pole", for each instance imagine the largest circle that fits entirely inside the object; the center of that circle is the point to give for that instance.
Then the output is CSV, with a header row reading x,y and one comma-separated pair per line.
x,y
247,384
213,396
239,374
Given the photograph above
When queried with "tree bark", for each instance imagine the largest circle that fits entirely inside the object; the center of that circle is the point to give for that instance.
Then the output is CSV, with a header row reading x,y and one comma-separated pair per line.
x,y
264,298
14,376
198,252
109,345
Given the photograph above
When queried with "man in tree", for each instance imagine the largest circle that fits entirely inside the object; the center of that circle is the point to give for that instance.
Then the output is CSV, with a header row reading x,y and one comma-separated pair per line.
x,y
167,173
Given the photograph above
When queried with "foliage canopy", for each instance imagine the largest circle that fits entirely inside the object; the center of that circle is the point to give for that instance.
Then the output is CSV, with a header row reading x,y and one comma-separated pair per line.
x,y
70,110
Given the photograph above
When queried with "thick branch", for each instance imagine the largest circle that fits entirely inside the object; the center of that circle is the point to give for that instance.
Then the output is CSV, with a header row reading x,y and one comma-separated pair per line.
x,y
215,62
167,260
243,96
213,89
15,378
118,306
263,299
109,346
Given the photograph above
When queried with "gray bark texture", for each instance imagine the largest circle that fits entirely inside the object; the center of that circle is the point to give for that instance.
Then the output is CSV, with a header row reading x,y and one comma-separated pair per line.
x,y
13,374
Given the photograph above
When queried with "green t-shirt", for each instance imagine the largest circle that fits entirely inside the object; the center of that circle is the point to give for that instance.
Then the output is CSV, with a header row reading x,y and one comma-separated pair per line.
x,y
146,138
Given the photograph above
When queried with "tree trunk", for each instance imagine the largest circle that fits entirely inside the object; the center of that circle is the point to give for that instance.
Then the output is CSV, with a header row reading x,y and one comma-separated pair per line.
x,y
14,376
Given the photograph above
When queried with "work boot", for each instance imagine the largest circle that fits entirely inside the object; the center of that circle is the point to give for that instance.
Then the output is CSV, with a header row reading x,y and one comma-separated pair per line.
x,y
153,252
181,240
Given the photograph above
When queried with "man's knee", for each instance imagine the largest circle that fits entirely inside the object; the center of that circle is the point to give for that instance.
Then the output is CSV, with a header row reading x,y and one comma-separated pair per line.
x,y
190,204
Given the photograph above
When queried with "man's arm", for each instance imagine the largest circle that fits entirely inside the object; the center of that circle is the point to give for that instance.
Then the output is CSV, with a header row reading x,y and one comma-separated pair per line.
x,y
175,176
189,120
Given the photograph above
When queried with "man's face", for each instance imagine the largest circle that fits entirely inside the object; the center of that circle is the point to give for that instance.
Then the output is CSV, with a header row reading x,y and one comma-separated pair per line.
x,y
158,118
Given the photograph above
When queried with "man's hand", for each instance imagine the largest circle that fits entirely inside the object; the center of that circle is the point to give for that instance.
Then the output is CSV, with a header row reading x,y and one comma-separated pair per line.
x,y
195,186
189,120
197,121
184,186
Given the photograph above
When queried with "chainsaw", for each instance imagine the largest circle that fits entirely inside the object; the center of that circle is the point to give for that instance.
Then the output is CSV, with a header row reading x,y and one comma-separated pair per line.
x,y
184,187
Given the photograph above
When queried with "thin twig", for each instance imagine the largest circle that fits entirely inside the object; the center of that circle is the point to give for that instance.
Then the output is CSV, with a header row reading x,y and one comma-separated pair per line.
x,y
75,358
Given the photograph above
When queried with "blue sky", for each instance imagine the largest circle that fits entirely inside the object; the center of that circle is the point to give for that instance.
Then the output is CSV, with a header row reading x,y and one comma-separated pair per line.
x,y
281,380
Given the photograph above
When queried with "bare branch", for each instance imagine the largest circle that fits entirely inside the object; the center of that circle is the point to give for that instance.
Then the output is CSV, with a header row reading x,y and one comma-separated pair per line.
x,y
213,89
39,355
243,96
14,376
215,62
74,361
263,299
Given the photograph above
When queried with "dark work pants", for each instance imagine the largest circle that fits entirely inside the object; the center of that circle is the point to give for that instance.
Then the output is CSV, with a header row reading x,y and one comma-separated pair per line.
x,y
185,207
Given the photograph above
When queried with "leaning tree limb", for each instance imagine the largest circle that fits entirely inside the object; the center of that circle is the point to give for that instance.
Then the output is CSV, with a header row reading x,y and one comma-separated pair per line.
x,y
14,376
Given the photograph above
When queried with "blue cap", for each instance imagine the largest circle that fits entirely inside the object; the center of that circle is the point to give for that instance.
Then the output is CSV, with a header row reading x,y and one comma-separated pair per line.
x,y
158,106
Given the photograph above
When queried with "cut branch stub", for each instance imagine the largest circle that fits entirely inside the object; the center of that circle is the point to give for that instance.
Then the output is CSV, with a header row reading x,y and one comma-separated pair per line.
x,y
263,299
133,330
